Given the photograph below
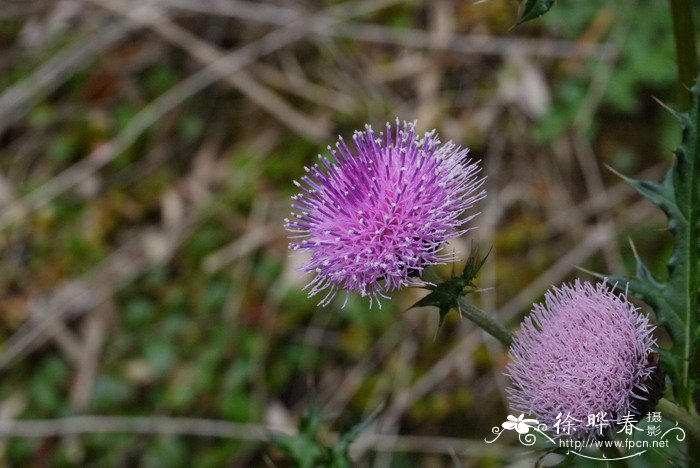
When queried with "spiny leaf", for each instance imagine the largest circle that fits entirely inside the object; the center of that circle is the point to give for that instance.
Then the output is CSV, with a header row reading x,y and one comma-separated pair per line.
x,y
350,436
534,9
303,447
339,452
445,296
661,194
311,420
307,450
675,300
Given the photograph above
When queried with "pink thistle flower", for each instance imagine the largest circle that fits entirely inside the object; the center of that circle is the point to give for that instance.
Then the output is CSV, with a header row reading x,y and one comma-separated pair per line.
x,y
380,213
586,351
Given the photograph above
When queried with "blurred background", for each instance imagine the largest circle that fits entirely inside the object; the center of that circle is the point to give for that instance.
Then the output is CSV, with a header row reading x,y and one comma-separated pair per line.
x,y
147,152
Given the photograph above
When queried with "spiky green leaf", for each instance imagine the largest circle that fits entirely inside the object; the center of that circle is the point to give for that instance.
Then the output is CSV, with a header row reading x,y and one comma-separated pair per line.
x,y
307,450
675,299
446,295
339,455
303,447
451,294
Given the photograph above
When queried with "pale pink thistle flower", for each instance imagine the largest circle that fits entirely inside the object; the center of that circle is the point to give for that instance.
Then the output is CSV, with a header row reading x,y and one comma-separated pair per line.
x,y
376,215
585,351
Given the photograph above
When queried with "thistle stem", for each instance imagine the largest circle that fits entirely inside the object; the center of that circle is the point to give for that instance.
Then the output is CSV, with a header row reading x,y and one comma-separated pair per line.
x,y
686,54
688,420
485,322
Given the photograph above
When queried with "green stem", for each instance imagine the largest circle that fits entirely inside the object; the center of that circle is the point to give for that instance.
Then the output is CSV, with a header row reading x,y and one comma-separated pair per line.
x,y
689,421
686,54
485,322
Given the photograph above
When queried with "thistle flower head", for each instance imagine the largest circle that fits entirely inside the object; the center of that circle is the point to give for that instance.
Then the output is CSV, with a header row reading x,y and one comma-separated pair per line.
x,y
585,351
376,215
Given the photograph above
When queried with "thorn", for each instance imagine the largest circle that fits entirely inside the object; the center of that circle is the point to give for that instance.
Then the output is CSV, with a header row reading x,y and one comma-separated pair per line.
x,y
670,109
615,171
634,249
590,272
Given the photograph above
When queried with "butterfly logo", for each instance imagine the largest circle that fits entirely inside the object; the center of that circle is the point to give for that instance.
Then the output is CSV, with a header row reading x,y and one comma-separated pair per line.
x,y
519,424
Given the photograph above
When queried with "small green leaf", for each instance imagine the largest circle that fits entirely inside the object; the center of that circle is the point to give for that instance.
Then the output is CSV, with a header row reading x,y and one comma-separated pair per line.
x,y
534,9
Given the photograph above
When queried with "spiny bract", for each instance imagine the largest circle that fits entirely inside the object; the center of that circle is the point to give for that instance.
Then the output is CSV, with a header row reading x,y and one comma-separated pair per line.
x,y
584,352
377,216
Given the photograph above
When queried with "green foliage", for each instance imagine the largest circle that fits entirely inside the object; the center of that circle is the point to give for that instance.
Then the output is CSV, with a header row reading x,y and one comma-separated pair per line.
x,y
160,355
644,65
675,298
48,384
167,451
110,392
534,9
446,295
306,448
160,78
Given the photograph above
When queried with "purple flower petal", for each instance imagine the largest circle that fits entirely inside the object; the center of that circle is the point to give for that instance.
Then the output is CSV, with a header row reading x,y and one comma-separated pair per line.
x,y
380,213
584,351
